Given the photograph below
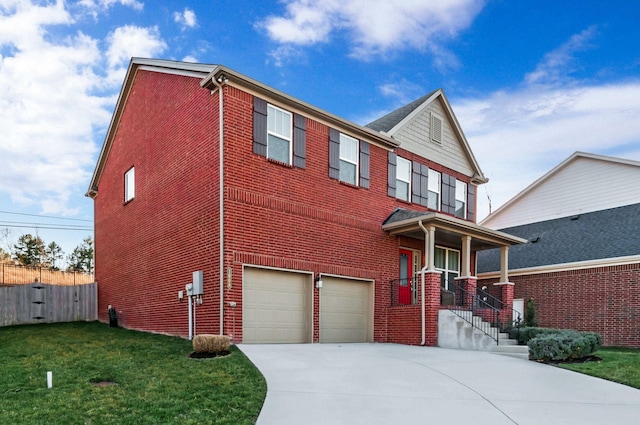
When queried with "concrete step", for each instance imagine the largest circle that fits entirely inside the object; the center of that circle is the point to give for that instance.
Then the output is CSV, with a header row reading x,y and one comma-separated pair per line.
x,y
518,351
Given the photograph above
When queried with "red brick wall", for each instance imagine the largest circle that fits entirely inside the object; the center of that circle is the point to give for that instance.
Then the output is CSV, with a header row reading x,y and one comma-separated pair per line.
x,y
604,300
147,249
274,215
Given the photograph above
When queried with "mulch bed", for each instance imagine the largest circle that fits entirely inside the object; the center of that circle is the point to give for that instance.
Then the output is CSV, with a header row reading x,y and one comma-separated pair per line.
x,y
196,355
580,360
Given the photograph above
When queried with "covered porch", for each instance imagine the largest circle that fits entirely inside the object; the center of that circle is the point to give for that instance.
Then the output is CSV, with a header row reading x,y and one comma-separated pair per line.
x,y
446,277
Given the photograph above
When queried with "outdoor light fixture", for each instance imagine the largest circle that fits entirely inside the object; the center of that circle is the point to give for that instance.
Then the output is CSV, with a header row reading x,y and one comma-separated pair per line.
x,y
318,282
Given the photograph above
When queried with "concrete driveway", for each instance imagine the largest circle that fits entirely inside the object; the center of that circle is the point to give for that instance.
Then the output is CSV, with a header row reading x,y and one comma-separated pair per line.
x,y
399,384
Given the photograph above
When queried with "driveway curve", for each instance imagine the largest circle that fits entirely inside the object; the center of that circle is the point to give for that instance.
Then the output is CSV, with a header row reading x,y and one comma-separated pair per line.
x,y
399,384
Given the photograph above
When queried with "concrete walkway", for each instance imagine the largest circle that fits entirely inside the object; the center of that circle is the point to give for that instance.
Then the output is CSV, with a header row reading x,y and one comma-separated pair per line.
x,y
397,384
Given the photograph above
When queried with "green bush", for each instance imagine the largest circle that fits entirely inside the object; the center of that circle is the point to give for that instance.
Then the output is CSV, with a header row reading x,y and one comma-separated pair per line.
x,y
562,345
530,318
525,334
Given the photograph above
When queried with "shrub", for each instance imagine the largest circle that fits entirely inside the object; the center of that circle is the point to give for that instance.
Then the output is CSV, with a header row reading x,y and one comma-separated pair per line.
x,y
525,334
205,343
530,318
562,345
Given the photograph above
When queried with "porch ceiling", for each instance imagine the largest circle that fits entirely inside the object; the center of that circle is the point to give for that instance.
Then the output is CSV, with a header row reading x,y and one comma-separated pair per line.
x,y
449,230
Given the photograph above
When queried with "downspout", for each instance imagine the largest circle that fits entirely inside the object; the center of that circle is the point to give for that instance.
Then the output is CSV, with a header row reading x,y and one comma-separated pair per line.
x,y
425,268
218,83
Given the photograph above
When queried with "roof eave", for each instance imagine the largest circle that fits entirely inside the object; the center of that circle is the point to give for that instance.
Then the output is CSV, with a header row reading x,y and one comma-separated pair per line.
x,y
231,77
455,224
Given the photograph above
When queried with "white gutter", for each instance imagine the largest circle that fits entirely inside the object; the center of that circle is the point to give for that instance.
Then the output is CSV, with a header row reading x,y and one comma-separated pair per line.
x,y
424,269
221,188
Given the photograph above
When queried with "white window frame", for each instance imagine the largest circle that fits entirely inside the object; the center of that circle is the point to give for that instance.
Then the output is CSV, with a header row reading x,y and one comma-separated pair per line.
x,y
433,176
272,132
345,138
129,184
405,179
445,271
461,196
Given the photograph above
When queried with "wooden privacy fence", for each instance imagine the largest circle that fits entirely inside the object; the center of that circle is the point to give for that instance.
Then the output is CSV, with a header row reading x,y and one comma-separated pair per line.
x,y
44,303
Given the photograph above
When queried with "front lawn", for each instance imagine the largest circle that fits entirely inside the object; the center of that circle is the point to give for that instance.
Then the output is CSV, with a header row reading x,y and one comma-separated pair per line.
x,y
618,364
145,378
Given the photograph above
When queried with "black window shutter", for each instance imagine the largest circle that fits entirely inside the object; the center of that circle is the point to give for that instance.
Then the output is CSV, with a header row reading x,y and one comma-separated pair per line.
x,y
448,194
424,184
364,164
259,126
391,176
471,202
415,183
299,141
334,153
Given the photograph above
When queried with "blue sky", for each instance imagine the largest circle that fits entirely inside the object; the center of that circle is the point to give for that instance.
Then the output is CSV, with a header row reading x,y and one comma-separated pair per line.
x,y
530,82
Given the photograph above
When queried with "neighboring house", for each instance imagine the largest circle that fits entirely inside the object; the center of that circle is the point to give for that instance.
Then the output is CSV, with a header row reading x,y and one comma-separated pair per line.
x,y
581,263
307,227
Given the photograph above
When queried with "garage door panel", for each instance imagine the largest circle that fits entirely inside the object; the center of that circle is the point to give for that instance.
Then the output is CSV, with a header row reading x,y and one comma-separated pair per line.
x,y
345,310
275,306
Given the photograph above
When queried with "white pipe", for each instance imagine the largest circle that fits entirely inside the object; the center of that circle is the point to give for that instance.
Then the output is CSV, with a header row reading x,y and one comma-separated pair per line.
x,y
221,201
190,318
424,314
195,332
49,379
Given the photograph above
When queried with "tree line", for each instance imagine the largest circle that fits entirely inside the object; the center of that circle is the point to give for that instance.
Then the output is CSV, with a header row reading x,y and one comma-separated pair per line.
x,y
32,251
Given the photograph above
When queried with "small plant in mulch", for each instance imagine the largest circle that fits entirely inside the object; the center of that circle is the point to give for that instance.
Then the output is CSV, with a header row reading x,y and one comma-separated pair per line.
x,y
207,346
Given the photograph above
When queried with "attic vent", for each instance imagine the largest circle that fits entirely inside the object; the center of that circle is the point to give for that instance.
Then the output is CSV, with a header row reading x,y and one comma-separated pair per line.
x,y
436,129
534,240
575,217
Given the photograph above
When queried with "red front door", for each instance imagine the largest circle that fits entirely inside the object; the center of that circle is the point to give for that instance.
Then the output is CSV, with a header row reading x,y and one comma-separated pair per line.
x,y
406,274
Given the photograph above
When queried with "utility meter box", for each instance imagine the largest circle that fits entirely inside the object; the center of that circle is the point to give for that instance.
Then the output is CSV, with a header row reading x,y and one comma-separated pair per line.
x,y
197,283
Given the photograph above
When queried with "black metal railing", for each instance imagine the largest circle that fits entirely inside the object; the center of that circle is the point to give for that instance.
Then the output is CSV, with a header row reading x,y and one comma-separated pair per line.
x,y
484,311
404,291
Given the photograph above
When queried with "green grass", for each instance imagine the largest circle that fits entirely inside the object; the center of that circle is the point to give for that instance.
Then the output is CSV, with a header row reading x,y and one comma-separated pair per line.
x,y
156,381
620,365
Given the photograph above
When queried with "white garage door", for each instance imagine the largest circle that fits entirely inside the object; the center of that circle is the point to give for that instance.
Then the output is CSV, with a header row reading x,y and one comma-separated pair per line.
x,y
345,310
275,306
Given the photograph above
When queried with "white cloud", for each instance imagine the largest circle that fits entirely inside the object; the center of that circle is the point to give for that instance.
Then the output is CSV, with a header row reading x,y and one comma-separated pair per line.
x,y
557,64
518,136
95,6
186,19
127,42
53,100
374,27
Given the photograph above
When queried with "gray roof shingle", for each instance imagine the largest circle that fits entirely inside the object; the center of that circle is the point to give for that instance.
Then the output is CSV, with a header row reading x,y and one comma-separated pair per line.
x,y
387,122
601,234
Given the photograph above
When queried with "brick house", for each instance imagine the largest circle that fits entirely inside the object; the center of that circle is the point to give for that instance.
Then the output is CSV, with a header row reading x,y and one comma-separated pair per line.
x,y
581,262
306,227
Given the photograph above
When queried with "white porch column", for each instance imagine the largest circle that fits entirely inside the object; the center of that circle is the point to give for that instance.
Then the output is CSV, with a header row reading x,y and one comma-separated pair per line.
x,y
466,256
430,247
504,264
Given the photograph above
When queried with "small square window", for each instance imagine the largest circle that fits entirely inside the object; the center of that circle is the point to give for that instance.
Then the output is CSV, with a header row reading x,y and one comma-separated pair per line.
x,y
348,159
129,185
279,134
403,179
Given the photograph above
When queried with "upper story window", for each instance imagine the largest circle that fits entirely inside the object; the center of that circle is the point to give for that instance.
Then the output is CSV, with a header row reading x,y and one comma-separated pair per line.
x,y
403,179
129,184
279,124
348,159
461,199
278,134
433,197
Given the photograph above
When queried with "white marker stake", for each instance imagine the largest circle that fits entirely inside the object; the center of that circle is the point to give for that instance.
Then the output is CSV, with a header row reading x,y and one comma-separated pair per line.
x,y
49,379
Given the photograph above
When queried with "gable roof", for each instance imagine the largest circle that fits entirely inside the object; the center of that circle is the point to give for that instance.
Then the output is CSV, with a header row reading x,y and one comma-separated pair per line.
x,y
509,214
393,123
392,119
605,234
